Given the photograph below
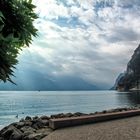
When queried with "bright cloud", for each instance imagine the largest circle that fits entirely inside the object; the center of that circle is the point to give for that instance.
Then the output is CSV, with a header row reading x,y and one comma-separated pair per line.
x,y
90,39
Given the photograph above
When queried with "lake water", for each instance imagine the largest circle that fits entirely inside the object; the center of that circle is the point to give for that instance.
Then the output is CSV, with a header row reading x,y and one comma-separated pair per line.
x,y
34,103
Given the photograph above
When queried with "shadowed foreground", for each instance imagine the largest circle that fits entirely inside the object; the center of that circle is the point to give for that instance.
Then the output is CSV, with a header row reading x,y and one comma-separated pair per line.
x,y
122,129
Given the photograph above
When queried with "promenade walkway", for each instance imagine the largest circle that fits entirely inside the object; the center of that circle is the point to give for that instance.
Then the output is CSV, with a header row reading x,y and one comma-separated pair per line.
x,y
122,129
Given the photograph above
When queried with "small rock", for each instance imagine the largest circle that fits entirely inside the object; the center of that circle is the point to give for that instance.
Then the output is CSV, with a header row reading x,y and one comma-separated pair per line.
x,y
22,120
78,114
61,115
39,124
18,124
104,111
16,135
8,132
28,118
12,133
27,129
4,129
92,113
68,115
27,123
95,113
1,138
35,118
44,118
45,122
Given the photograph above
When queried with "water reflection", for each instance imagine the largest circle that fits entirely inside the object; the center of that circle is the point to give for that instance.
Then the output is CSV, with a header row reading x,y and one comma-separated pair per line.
x,y
134,97
130,98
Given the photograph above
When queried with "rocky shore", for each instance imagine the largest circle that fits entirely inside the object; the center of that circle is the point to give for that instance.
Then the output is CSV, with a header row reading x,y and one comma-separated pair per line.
x,y
36,128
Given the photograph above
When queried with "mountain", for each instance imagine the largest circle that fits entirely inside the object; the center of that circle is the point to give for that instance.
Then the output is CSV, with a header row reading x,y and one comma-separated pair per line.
x,y
131,78
48,83
117,80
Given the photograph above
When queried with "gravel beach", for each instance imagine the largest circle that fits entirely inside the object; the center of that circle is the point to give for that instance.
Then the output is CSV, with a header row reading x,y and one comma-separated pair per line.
x,y
122,129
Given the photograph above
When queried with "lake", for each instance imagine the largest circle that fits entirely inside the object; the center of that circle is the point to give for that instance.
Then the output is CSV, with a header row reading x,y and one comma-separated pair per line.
x,y
35,103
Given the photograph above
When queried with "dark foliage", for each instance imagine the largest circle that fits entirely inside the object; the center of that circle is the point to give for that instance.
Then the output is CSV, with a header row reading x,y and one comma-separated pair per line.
x,y
16,31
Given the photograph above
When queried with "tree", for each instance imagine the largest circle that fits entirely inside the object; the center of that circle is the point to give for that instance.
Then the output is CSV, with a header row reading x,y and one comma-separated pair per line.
x,y
16,31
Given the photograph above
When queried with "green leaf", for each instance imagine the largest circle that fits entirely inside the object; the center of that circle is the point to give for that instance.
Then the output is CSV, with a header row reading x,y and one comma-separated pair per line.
x,y
1,15
1,27
30,1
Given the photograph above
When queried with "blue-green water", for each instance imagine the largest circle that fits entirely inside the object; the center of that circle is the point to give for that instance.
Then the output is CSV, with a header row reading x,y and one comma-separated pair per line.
x,y
35,103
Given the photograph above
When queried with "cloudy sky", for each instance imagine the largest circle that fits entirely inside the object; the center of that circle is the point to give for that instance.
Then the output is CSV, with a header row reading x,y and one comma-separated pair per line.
x,y
80,40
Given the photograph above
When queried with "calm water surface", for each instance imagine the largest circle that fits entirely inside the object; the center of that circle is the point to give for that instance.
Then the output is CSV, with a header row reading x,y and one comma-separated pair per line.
x,y
35,103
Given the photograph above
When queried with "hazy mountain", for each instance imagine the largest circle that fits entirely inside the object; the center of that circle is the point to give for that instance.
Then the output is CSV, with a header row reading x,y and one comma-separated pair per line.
x,y
117,80
46,83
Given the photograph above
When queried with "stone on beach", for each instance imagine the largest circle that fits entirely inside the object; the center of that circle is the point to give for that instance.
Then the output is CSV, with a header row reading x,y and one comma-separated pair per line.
x,y
26,129
35,128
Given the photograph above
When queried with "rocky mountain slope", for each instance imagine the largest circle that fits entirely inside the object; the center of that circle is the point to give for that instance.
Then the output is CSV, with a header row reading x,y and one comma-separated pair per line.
x,y
131,78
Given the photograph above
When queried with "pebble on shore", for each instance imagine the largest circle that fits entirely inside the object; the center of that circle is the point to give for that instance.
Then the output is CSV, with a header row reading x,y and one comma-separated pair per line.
x,y
36,128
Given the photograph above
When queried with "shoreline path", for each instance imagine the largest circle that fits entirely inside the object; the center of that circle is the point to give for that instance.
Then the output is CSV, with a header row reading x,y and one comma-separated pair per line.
x,y
121,129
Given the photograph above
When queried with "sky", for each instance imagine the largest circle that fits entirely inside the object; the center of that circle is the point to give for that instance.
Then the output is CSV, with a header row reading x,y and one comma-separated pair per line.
x,y
79,41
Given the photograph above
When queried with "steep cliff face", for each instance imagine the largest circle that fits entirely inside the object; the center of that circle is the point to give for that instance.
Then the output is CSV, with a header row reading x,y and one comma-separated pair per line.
x,y
117,80
131,78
